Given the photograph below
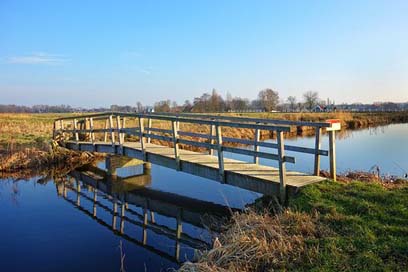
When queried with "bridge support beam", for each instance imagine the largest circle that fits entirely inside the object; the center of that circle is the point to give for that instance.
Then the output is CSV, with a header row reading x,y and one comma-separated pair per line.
x,y
113,162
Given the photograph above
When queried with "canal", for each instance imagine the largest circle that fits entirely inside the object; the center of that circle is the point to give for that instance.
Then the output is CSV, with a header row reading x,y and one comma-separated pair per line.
x,y
70,223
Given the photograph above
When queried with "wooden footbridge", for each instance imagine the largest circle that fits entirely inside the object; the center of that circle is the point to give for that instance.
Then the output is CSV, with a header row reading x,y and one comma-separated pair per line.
x,y
186,142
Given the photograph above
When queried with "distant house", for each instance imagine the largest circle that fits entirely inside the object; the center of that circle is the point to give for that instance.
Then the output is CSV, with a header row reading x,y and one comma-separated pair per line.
x,y
148,109
317,108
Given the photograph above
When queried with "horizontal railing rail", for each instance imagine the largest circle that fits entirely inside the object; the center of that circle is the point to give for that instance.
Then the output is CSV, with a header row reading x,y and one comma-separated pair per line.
x,y
246,119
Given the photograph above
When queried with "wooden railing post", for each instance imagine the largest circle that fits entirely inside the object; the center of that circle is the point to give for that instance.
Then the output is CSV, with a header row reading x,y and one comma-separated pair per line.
x,y
220,153
112,133
256,147
76,130
61,122
123,126
118,127
91,127
282,166
149,126
142,138
86,127
212,132
174,126
317,148
54,130
105,134
332,154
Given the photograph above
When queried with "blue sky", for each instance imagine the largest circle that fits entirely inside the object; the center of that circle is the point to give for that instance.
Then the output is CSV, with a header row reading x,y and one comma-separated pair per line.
x,y
98,53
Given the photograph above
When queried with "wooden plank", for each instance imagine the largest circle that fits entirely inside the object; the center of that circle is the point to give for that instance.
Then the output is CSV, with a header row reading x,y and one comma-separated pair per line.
x,y
161,130
198,144
158,137
258,154
215,122
248,119
206,116
193,134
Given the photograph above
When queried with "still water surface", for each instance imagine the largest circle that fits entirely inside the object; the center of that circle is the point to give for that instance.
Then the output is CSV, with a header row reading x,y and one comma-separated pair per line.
x,y
57,225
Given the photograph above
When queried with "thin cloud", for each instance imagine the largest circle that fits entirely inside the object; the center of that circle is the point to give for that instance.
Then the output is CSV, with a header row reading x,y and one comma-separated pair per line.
x,y
144,70
38,58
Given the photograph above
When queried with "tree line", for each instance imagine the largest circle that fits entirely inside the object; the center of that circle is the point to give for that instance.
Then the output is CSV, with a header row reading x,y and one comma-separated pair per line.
x,y
267,100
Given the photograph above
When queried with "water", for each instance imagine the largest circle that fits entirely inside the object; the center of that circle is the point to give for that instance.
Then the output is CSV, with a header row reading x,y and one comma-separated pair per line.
x,y
49,226
385,146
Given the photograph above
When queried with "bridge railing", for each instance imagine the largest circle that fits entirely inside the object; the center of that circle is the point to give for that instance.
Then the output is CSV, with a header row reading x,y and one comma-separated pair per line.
x,y
115,126
329,125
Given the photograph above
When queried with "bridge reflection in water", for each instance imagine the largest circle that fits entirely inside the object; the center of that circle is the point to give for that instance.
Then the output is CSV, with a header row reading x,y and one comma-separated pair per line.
x,y
130,204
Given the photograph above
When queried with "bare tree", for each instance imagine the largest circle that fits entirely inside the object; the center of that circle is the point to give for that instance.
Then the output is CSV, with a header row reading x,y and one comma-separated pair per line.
x,y
187,106
292,102
268,99
228,102
162,106
239,104
139,107
209,103
311,99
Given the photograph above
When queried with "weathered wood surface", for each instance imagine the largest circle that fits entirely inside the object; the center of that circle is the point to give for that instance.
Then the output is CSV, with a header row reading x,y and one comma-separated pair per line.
x,y
255,177
251,176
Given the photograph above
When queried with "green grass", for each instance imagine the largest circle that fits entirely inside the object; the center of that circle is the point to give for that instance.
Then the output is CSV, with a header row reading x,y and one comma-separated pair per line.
x,y
369,226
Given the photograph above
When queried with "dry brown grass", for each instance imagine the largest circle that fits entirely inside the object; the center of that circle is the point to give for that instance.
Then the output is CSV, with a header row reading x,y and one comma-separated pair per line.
x,y
367,177
21,130
263,242
34,159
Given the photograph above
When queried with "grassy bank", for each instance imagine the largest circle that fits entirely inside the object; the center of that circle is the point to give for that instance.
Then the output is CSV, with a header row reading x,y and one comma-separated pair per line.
x,y
349,120
330,226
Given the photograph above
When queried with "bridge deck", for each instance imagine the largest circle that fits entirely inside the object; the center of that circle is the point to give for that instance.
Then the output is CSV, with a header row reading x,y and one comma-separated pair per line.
x,y
255,177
